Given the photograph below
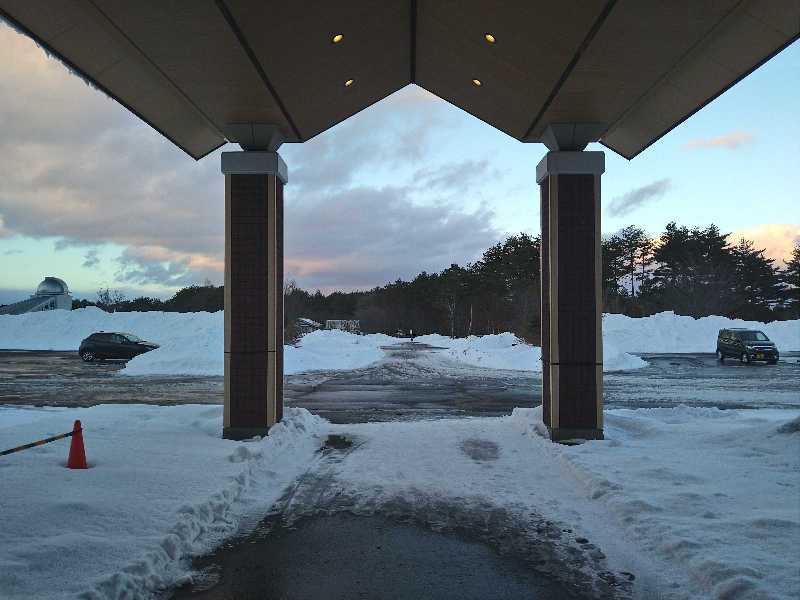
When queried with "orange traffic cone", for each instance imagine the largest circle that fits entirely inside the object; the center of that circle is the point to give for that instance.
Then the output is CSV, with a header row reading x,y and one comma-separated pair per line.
x,y
77,455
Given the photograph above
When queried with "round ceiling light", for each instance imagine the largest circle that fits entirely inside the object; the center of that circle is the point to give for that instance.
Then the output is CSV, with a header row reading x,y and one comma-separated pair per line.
x,y
337,38
489,38
477,82
348,83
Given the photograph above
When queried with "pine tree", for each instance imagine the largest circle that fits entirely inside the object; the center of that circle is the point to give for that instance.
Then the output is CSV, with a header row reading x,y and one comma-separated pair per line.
x,y
634,246
695,271
790,276
613,272
756,287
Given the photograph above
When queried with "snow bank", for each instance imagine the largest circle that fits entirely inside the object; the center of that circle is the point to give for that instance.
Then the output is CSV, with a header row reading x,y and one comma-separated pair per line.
x,y
713,491
64,330
192,343
668,332
334,349
162,485
501,351
506,351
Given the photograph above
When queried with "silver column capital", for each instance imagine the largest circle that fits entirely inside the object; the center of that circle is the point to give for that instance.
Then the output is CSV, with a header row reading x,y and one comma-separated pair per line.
x,y
254,162
570,163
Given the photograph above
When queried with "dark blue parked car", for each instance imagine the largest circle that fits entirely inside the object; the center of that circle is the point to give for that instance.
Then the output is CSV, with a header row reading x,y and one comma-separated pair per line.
x,y
113,344
747,345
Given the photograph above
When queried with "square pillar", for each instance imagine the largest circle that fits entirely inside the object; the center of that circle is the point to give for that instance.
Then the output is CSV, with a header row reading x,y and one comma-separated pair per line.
x,y
254,183
571,287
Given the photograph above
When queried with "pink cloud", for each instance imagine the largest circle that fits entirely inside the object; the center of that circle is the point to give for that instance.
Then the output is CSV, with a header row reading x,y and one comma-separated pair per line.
x,y
731,141
777,239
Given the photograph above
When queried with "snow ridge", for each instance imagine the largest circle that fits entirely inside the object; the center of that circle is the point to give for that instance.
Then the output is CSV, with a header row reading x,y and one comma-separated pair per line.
x,y
162,487
680,482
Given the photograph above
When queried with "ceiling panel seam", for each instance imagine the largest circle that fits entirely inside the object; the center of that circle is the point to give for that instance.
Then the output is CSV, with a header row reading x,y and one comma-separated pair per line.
x,y
143,56
568,70
703,39
226,13
76,70
413,42
710,100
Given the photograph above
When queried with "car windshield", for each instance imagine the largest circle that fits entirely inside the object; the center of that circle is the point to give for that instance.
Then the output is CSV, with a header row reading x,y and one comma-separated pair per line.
x,y
131,338
753,336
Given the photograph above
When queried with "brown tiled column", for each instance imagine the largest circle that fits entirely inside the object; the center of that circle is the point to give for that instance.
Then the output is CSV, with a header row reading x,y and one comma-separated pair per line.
x,y
254,183
571,269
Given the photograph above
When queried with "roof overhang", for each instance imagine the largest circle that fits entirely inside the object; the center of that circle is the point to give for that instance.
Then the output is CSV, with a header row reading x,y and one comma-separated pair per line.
x,y
197,71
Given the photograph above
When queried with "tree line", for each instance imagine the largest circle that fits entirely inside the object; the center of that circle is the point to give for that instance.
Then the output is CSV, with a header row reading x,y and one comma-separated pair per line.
x,y
694,272
194,298
697,272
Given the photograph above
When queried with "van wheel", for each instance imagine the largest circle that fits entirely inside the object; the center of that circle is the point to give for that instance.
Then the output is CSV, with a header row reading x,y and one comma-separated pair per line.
x,y
87,356
720,355
744,358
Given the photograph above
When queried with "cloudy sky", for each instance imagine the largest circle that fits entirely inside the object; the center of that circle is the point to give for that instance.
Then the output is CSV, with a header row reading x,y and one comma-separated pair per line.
x,y
91,194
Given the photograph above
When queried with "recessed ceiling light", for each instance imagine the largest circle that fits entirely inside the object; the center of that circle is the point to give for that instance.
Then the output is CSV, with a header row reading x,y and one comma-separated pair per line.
x,y
489,38
337,38
477,82
348,83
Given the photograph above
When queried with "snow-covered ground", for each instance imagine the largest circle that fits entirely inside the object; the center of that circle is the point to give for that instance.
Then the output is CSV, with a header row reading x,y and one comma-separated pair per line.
x,y
192,343
162,485
697,503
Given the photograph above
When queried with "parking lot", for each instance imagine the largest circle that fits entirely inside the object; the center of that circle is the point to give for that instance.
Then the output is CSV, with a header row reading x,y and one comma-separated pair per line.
x,y
402,388
42,378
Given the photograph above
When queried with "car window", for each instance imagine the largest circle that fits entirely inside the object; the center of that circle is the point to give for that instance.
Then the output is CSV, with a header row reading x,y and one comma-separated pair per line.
x,y
132,338
754,336
117,339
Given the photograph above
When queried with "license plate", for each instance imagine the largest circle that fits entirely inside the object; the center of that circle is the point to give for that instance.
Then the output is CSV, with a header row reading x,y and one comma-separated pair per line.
x,y
759,356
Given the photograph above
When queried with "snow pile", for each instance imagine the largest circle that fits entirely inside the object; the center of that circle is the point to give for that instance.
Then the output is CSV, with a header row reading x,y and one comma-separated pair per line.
x,y
616,359
712,491
192,343
668,332
506,351
500,351
162,485
334,349
64,330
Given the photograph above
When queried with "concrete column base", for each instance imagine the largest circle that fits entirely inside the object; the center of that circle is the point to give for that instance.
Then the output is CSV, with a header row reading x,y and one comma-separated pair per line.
x,y
563,434
243,433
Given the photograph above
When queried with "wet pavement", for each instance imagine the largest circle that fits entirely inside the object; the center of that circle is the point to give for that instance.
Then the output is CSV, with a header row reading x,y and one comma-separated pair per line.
x,y
401,387
46,378
702,380
319,542
368,557
413,382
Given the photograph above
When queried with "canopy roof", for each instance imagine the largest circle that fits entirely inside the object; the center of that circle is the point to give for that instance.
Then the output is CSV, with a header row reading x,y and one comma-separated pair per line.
x,y
633,68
